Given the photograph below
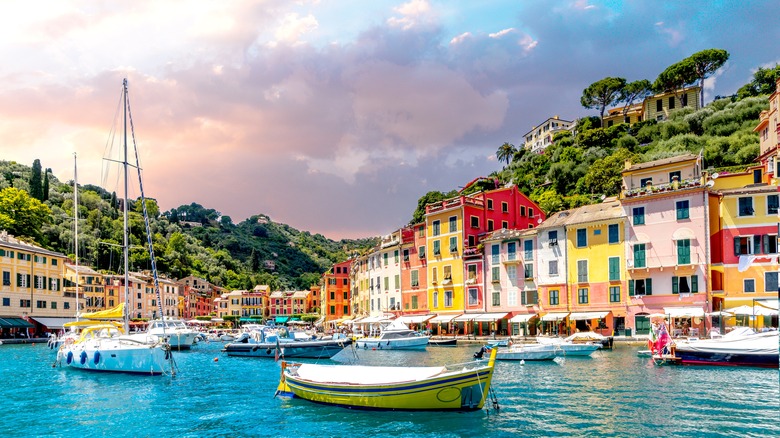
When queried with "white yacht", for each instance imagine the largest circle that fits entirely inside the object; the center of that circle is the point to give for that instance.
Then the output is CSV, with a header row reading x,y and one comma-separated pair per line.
x,y
394,336
179,336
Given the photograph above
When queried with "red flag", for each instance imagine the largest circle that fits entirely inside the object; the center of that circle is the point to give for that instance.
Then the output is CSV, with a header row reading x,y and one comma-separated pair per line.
x,y
276,352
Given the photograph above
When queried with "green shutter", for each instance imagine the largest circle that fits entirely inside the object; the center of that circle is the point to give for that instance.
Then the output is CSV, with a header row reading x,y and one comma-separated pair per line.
x,y
630,288
765,239
675,285
58,284
649,286
737,249
19,280
694,283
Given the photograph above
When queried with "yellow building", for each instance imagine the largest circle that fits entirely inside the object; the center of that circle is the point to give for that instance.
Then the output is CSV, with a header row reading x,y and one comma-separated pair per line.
x,y
660,106
615,116
769,137
91,287
31,286
444,246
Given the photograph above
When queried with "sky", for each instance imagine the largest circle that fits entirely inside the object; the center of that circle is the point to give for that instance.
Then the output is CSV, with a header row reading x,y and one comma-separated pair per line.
x,y
331,116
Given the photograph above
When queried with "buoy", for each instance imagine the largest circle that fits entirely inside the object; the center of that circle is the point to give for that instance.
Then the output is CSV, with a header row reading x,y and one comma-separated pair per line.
x,y
96,359
522,362
33,344
216,359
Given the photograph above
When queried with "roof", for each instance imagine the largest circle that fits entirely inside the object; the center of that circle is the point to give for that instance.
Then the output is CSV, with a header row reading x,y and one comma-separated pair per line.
x,y
10,241
611,209
82,269
509,234
753,188
547,120
670,160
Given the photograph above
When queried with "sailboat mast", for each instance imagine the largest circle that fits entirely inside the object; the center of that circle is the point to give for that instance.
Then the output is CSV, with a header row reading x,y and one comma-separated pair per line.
x,y
76,228
126,242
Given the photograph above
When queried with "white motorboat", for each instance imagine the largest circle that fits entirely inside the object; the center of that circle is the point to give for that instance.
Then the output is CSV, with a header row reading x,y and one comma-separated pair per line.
x,y
179,336
740,347
567,346
528,352
394,336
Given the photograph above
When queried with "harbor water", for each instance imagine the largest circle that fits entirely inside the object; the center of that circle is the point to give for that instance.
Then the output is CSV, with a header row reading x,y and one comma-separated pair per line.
x,y
613,393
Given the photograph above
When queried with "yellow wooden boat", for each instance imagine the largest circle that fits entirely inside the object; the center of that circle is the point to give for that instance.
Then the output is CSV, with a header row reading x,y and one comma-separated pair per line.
x,y
460,387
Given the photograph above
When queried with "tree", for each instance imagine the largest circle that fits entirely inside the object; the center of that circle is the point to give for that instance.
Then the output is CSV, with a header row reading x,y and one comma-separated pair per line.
x,y
46,185
21,214
428,198
705,63
505,152
675,78
637,90
36,181
764,82
603,93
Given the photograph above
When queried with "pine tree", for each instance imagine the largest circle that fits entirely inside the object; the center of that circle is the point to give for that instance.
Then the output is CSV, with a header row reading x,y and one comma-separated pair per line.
x,y
36,187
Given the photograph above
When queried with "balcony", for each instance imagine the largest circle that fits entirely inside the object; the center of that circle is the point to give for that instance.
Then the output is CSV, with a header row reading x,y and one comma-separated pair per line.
x,y
655,189
472,252
453,203
663,262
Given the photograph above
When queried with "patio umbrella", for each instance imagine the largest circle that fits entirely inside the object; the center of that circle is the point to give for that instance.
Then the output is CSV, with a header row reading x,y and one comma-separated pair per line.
x,y
720,313
742,310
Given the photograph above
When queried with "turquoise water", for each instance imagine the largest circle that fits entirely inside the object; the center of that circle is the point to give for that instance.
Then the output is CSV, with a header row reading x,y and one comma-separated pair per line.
x,y
611,394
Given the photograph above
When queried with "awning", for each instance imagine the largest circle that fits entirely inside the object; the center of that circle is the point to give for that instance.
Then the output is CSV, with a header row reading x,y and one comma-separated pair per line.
x,y
466,317
683,233
677,312
490,317
587,316
372,319
52,322
441,319
521,318
415,319
751,311
11,322
555,316
281,319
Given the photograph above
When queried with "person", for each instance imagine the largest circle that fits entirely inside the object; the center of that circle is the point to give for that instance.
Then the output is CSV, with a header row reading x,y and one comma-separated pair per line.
x,y
652,337
481,352
663,338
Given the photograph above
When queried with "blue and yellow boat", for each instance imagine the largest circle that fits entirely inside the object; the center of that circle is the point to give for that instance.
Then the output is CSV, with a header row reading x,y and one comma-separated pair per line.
x,y
460,387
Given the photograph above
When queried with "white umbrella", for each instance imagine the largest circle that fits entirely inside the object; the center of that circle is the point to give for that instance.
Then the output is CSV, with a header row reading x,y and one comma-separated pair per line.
x,y
742,310
720,313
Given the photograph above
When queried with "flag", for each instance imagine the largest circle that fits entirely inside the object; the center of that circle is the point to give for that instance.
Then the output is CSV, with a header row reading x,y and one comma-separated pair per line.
x,y
276,352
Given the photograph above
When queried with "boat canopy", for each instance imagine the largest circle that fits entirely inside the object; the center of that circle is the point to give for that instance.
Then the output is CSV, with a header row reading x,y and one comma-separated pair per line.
x,y
117,312
281,319
587,316
521,318
684,312
442,319
555,316
415,319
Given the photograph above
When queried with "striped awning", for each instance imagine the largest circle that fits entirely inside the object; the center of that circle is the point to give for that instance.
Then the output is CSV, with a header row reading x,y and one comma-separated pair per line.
x,y
521,318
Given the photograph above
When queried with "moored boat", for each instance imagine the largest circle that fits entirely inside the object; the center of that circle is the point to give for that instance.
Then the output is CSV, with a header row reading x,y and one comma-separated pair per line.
x,y
179,336
460,387
394,336
741,347
568,348
267,343
443,342
527,352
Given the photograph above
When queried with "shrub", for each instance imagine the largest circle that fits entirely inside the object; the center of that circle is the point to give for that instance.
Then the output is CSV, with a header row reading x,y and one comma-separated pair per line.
x,y
627,142
672,128
648,133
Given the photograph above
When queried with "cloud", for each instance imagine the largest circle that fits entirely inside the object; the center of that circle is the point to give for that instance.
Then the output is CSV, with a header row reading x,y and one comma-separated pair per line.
x,y
411,14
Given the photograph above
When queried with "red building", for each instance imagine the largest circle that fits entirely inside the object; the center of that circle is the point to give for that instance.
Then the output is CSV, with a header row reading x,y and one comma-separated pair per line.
x,y
336,293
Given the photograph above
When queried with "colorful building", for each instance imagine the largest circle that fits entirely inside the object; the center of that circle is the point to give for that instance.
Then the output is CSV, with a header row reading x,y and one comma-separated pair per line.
x,y
414,274
540,137
660,106
337,291
666,203
388,273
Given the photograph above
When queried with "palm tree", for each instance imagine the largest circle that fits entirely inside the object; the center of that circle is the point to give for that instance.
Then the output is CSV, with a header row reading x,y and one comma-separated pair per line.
x,y
506,152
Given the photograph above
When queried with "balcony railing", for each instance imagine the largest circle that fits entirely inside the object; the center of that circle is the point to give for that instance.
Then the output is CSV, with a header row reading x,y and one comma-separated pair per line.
x,y
652,189
452,203
669,261
472,251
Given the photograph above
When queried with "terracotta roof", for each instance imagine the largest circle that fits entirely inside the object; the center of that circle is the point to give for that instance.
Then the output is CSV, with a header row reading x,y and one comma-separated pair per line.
x,y
670,160
507,234
753,188
610,209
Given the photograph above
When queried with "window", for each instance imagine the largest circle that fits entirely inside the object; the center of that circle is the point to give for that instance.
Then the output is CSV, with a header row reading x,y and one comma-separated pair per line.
x,y
530,212
522,210
474,221
406,255
448,273
511,251
639,215
746,206
495,274
489,204
614,294
453,244
757,176
671,102
684,100
40,304
397,282
553,297
582,237
471,274
6,302
387,283
749,285
552,236
496,295
490,225
528,249
511,274
685,285
421,231
6,278
770,282
473,300
66,305
675,175
453,224
770,244
421,252
448,298
494,253
528,271
504,207
645,182
529,297
639,256
436,228
436,247
771,204
435,275
682,210
684,252
384,257
435,300
395,256
25,303
582,296
414,301
614,233
553,267
415,278
582,271
504,225
659,105
614,268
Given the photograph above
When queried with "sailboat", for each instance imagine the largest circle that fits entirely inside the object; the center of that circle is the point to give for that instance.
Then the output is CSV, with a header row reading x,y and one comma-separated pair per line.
x,y
104,343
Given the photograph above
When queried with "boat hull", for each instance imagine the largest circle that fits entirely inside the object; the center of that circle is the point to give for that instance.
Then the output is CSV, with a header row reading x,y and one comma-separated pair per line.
x,y
295,349
115,356
580,350
728,359
756,350
415,343
528,352
461,390
443,342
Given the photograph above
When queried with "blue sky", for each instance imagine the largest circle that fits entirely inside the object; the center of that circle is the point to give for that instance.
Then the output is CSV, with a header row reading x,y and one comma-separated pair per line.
x,y
333,116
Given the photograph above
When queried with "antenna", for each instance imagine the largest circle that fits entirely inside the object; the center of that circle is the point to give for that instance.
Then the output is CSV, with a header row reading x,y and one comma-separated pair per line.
x,y
539,221
714,175
710,183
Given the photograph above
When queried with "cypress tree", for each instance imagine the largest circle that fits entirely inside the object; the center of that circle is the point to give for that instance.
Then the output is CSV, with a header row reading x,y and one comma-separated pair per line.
x,y
36,186
46,184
